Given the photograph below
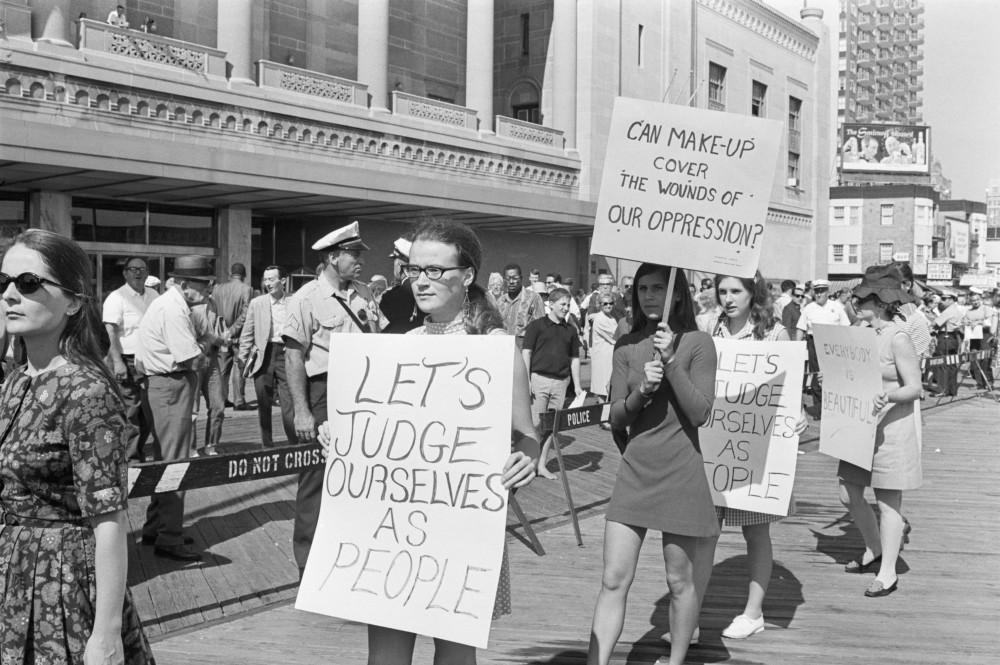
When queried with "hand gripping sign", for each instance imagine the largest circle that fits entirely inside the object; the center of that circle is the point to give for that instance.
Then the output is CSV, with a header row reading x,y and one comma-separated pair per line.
x,y
686,187
413,515
749,444
848,360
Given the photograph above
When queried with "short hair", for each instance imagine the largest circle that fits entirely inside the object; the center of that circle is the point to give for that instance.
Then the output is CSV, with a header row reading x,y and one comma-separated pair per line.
x,y
787,285
558,294
282,273
512,266
238,269
134,258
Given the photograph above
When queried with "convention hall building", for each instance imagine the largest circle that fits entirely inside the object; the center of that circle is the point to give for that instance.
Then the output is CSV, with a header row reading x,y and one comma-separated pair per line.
x,y
244,130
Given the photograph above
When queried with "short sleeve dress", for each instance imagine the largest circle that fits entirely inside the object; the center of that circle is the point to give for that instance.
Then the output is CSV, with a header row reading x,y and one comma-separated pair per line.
x,y
896,465
661,480
62,460
501,605
735,516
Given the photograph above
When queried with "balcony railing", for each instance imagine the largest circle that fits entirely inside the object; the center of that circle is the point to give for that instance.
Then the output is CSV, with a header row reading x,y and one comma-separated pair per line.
x,y
315,84
98,36
434,110
529,132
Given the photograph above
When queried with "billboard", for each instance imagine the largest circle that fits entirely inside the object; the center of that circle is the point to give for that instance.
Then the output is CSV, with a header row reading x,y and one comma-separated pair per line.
x,y
957,240
885,148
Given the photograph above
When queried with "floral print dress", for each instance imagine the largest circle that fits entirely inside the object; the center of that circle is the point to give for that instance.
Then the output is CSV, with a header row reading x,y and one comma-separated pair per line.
x,y
62,461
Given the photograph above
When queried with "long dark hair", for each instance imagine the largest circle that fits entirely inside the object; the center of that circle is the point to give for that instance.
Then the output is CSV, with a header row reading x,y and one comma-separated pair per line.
x,y
84,340
681,317
480,315
761,307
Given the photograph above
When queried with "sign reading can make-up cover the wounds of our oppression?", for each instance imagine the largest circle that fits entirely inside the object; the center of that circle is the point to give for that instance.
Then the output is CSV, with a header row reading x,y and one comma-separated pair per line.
x,y
749,443
413,516
848,360
686,187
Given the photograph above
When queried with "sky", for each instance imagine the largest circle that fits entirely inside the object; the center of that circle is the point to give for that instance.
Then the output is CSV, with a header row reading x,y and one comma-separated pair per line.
x,y
961,86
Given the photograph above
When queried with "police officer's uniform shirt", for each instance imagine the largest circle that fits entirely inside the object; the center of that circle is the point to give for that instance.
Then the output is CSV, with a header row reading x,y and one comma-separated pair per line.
x,y
124,308
314,314
950,320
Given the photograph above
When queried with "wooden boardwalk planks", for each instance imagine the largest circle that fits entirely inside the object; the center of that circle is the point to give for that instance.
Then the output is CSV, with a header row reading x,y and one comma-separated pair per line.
x,y
946,608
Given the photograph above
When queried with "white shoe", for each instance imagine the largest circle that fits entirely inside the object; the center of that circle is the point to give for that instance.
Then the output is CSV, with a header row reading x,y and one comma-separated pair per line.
x,y
743,627
694,637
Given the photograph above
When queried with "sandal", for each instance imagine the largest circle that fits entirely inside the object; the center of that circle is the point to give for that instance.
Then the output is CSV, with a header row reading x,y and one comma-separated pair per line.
x,y
858,566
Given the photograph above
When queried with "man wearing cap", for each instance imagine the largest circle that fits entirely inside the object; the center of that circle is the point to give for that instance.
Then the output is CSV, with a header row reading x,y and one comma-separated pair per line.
x,y
122,311
231,301
262,353
167,350
518,306
820,311
398,304
335,302
979,322
948,326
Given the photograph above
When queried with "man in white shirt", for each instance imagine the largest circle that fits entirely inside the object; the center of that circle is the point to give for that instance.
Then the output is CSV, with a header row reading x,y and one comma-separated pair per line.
x,y
262,354
819,311
117,17
167,352
123,309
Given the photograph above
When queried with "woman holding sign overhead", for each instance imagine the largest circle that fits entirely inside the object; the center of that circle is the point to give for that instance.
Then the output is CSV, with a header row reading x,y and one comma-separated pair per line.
x,y
896,464
747,314
444,260
662,389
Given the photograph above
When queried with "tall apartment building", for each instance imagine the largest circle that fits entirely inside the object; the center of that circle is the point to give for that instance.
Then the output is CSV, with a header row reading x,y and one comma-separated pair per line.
x,y
881,62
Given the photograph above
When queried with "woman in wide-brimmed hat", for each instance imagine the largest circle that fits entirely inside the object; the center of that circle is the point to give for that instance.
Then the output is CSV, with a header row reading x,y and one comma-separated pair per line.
x,y
896,462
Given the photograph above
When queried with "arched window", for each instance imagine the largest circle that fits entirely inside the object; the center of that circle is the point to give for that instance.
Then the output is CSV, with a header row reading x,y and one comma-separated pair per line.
x,y
524,102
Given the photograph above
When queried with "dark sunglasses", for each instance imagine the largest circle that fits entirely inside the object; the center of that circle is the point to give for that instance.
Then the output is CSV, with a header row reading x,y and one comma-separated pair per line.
x,y
28,282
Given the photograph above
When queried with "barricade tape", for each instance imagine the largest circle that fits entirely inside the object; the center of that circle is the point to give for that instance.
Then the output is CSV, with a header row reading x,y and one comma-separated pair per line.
x,y
157,477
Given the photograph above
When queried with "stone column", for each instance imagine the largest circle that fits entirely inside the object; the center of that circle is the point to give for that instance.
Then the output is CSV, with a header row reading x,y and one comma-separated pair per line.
x,y
234,37
373,51
50,21
479,62
50,211
564,69
234,240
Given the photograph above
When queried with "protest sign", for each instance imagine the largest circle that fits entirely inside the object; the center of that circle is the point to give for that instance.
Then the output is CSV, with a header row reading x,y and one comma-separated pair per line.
x,y
848,359
412,524
749,443
686,187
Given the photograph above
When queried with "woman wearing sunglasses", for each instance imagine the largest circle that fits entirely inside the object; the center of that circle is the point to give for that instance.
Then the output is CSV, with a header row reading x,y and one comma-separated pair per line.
x,y
602,345
62,470
444,260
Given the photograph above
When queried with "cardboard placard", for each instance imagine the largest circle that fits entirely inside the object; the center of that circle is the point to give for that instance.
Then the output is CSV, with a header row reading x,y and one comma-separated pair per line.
x,y
686,187
412,524
848,359
749,444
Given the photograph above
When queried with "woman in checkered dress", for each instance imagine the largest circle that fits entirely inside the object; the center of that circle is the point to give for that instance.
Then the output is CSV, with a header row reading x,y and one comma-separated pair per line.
x,y
747,314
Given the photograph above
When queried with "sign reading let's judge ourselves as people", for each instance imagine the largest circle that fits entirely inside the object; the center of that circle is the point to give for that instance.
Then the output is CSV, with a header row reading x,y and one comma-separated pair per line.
x,y
749,443
686,187
848,359
411,527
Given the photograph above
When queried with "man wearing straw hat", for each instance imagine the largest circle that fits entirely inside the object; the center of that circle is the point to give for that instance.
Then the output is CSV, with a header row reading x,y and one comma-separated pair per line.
x,y
334,302
167,349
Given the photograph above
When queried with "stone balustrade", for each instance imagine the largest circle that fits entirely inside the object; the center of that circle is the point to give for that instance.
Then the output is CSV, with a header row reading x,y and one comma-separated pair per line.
x,y
434,110
529,132
98,36
307,82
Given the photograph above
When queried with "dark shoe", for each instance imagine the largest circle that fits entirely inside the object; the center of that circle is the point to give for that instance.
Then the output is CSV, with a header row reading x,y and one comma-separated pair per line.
x,y
856,566
244,407
177,552
876,590
151,540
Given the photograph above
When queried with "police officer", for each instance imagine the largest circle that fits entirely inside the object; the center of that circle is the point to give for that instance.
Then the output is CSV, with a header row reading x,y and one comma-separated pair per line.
x,y
334,302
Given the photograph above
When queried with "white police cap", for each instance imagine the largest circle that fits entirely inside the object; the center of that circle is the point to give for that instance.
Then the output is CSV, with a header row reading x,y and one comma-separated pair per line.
x,y
347,237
